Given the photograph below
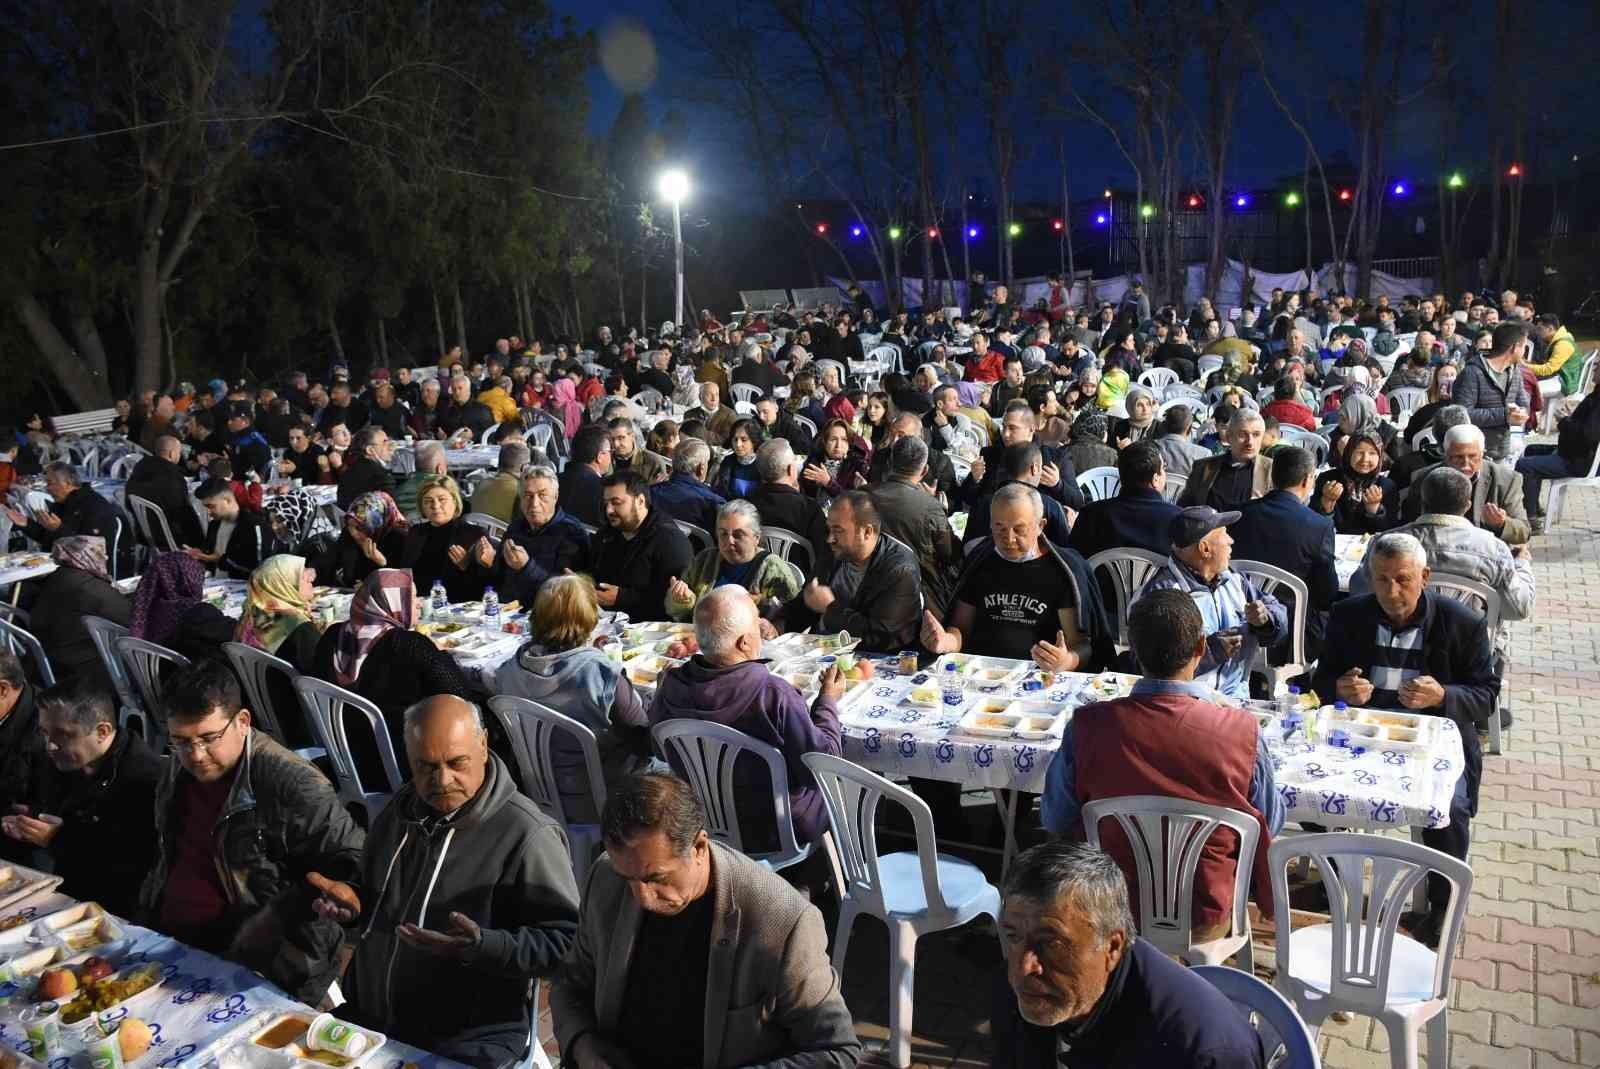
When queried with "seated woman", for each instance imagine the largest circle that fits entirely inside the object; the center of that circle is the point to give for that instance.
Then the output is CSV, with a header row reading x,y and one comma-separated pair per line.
x,y
877,419
737,559
376,654
277,611
663,438
1359,497
170,609
374,537
737,476
298,525
839,463
1358,414
80,587
1140,405
445,546
558,668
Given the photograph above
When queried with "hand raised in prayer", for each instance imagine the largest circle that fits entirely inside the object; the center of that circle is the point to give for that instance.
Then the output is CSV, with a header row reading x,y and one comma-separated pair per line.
x,y
1516,415
1353,688
1257,613
978,469
816,473
769,630
458,943
368,547
1494,517
48,520
458,556
605,594
832,683
1332,491
516,556
485,550
1372,499
1056,656
335,901
1425,692
18,518
336,458
935,639
679,592
26,826
323,463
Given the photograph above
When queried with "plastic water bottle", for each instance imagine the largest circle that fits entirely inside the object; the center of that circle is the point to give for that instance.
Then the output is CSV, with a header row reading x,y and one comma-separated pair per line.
x,y
491,609
950,685
1289,704
440,599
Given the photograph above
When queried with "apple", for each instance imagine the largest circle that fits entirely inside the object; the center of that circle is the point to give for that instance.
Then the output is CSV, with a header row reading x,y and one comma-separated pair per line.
x,y
57,984
134,1038
94,968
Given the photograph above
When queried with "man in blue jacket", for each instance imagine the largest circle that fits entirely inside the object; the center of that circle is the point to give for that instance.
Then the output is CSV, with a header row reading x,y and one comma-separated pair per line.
x,y
542,541
685,495
1137,516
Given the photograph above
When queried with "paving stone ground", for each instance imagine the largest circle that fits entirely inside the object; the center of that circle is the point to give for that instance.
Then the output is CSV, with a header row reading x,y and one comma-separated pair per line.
x,y
1527,981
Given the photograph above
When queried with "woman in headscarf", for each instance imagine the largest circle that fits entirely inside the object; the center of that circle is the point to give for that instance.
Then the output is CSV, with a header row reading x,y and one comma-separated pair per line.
x,y
562,401
374,537
298,524
80,587
170,609
1357,494
840,461
277,611
445,547
376,654
1358,414
1089,449
1141,407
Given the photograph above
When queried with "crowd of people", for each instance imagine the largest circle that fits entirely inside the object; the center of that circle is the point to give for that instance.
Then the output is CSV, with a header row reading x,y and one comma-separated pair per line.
x,y
790,470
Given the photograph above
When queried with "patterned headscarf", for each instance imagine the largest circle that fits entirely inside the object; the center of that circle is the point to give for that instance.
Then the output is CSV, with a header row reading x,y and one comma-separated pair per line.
x,y
383,603
300,515
428,482
173,583
375,514
87,553
273,607
1091,426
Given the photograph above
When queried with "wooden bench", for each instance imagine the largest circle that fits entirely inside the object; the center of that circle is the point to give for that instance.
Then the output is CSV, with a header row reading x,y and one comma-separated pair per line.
x,y
95,422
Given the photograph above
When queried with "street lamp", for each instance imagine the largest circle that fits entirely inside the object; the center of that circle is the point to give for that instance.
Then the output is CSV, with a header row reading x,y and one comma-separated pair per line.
x,y
673,185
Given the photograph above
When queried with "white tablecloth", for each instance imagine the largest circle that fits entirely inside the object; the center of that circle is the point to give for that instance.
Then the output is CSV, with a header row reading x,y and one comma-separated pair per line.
x,y
1348,551
468,459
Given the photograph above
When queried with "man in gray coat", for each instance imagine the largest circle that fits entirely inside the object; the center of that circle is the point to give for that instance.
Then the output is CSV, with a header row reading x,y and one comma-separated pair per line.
x,y
1490,388
690,954
913,515
1497,499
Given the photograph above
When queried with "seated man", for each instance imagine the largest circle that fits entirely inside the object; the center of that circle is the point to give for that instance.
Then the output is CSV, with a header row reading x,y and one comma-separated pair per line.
x,y
1242,473
1239,618
237,539
366,465
638,551
1085,991
913,515
240,822
581,494
498,496
446,950
1019,596
718,417
685,495
1021,463
159,479
728,683
1578,436
22,757
1143,744
75,509
1402,647
1137,515
1281,530
690,954
940,476
1058,478
93,812
542,541
302,459
874,590
628,455
1497,498
781,504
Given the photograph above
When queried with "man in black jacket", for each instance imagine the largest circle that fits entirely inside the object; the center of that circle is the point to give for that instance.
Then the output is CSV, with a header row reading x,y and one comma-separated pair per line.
x,y
342,408
366,465
1137,516
777,423
388,412
638,551
914,516
237,539
1278,529
22,759
1402,647
1059,479
159,479
247,449
580,481
95,810
757,370
461,415
941,474
780,503
1571,457
874,590
75,509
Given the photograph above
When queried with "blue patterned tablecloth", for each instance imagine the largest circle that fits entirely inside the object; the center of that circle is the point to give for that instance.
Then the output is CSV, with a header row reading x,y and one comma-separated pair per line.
x,y
1338,787
196,1013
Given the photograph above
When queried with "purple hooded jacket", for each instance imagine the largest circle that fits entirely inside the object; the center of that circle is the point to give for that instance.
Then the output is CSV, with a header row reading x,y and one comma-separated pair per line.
x,y
749,698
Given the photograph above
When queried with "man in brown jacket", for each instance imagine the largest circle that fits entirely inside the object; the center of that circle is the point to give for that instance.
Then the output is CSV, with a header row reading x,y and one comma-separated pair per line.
x,y
691,954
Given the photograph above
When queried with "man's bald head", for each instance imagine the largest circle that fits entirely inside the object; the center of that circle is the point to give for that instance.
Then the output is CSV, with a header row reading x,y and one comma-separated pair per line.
x,y
728,626
448,750
169,448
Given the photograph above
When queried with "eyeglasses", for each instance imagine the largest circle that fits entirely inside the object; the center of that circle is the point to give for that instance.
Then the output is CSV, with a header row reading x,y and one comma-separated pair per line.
x,y
202,743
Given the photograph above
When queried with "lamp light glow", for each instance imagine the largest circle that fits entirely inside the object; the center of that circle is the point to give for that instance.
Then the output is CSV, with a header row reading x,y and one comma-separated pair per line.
x,y
673,185
1108,194
1456,181
894,233
933,232
1515,170
856,231
1344,194
1399,189
1147,210
1194,200
1292,199
1014,230
972,233
1058,225
1242,201
1100,220
822,228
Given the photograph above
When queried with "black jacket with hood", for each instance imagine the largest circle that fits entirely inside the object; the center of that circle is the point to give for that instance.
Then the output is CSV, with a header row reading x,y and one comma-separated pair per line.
x,y
498,860
1093,619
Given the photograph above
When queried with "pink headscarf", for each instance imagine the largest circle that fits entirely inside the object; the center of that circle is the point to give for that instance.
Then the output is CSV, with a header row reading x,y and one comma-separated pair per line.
x,y
562,399
383,603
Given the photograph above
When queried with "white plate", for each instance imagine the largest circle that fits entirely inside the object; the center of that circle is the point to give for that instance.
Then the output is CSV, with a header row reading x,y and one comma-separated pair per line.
x,y
18,884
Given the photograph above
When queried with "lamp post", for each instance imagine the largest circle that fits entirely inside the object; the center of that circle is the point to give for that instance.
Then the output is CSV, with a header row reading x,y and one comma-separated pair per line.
x,y
673,186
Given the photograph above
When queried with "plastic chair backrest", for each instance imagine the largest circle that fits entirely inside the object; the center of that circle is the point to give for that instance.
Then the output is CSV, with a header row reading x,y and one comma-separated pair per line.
x,y
530,728
143,660
1129,568
699,538
708,755
1098,484
1311,441
254,668
803,421
494,526
1362,945
1194,404
1207,364
153,524
325,706
1269,578
781,543
1270,1014
1167,837
122,467
104,634
1403,399
26,645
744,391
1158,378
852,794
1176,390
1175,485
1484,599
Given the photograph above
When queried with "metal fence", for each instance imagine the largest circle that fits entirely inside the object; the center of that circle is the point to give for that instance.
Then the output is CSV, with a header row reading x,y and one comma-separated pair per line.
x,y
1409,267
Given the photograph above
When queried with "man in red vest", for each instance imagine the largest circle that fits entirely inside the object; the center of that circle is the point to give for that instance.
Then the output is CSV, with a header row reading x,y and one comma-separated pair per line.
x,y
1170,738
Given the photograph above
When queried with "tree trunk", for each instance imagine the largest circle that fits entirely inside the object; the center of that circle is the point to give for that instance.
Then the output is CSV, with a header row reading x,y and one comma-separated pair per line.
x,y
461,322
332,324
438,320
383,342
86,388
147,314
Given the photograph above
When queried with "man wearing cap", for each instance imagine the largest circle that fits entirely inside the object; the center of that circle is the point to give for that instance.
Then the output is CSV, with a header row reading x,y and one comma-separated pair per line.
x,y
248,451
1239,617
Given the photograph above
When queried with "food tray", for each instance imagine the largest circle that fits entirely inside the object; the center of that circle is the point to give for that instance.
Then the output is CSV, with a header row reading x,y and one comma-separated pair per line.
x,y
18,884
1007,719
644,634
150,970
293,1050
987,674
70,915
924,692
1403,727
644,670
815,645
1109,685
88,934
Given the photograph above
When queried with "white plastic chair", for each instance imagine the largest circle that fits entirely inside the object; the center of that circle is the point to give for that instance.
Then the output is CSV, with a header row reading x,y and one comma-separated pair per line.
x,y
1485,599
1404,400
531,729
104,634
782,543
804,421
913,893
1359,962
1270,579
153,524
1556,503
26,645
1175,485
493,525
1195,404
1167,837
255,668
744,391
486,438
1158,378
1098,484
1207,364
699,538
1310,441
123,466
1178,390
1284,1036
708,755
144,660
1129,569
325,707
535,1057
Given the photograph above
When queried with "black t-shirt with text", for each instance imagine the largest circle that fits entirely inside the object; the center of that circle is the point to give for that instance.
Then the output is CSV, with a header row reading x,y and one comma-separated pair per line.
x,y
1016,605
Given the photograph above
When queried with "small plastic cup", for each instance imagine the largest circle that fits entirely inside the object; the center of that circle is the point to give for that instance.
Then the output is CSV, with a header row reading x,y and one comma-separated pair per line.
x,y
329,1033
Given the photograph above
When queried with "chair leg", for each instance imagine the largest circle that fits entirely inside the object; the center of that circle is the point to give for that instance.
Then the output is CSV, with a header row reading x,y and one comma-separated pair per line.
x,y
1405,1042
841,938
1439,1039
902,986
1495,743
1245,956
